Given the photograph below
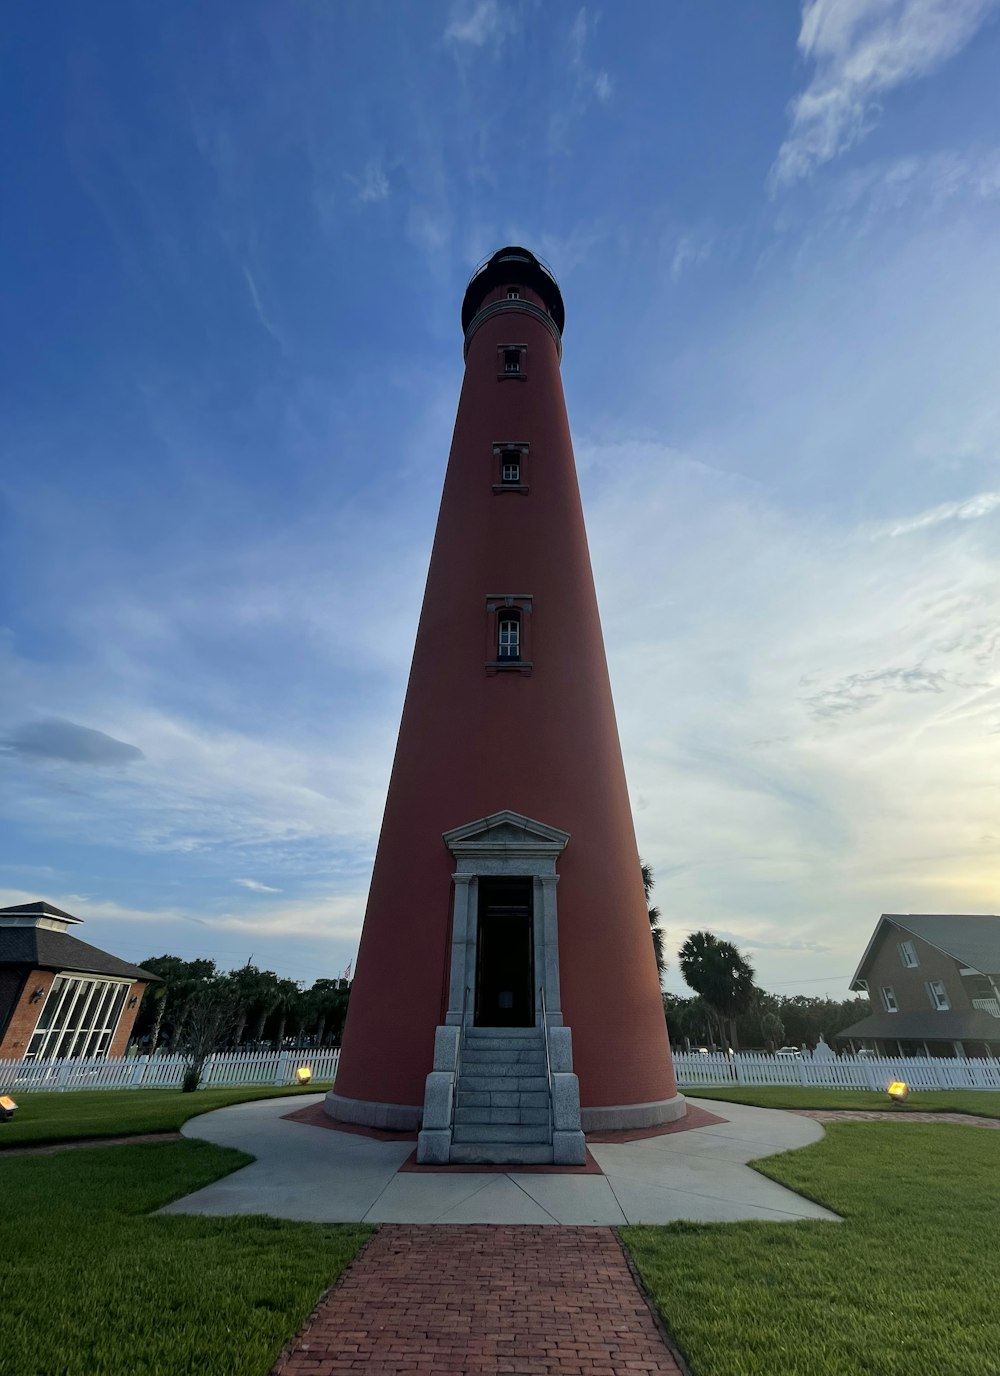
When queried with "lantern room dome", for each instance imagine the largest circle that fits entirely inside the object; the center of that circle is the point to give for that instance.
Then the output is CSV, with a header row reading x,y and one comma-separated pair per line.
x,y
508,266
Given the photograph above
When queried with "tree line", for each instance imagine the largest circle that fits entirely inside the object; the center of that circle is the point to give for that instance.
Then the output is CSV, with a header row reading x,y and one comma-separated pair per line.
x,y
728,1009
196,1009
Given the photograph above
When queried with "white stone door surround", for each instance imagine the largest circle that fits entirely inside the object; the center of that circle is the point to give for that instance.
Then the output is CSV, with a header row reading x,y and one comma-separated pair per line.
x,y
505,843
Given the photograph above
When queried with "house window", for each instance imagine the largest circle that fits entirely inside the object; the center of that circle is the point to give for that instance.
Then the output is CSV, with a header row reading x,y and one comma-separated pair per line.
x,y
938,995
512,360
889,999
509,635
908,955
79,1018
513,293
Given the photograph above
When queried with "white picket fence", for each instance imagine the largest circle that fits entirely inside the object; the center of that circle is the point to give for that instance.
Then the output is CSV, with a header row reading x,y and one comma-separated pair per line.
x,y
167,1072
836,1072
693,1071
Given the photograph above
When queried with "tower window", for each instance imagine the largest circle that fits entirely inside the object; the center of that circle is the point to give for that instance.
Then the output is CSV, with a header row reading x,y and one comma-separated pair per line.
x,y
511,360
509,458
513,293
509,636
508,633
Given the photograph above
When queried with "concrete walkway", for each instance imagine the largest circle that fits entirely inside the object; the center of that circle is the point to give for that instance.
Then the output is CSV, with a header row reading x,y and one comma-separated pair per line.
x,y
325,1176
480,1301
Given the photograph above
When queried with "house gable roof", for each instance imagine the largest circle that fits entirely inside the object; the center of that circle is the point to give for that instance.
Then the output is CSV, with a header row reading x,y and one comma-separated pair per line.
x,y
39,948
973,939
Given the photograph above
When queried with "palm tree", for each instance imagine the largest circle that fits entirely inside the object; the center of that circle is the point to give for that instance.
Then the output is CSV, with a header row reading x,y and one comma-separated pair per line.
x,y
716,970
179,982
654,920
289,993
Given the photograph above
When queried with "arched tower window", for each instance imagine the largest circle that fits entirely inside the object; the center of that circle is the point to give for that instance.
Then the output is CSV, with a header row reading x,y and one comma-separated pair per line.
x,y
509,635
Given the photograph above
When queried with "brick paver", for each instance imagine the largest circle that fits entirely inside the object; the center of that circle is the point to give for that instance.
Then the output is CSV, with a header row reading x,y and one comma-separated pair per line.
x,y
523,1301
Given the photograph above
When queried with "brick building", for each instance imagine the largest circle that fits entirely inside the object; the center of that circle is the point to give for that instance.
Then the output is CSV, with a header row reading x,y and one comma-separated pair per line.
x,y
934,984
60,997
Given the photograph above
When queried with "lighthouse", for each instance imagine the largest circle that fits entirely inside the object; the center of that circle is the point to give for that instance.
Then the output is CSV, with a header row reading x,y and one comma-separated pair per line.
x,y
506,997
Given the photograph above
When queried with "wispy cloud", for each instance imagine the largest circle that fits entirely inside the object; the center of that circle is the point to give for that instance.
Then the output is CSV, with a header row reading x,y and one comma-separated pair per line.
x,y
67,741
972,509
596,81
255,886
861,51
480,23
857,692
373,184
258,306
690,251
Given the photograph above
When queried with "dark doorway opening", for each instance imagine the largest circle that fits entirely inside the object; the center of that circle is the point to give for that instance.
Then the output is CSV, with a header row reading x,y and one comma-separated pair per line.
x,y
505,954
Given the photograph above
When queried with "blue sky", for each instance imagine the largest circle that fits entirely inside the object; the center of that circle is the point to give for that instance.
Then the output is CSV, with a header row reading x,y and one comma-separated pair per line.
x,y
236,239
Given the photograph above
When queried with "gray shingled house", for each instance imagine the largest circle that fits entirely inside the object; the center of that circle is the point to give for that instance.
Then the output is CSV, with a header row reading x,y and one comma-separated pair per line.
x,y
934,983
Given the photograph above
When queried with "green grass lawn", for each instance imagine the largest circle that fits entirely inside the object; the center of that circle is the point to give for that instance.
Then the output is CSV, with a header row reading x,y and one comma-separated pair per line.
x,y
51,1117
907,1283
92,1286
984,1102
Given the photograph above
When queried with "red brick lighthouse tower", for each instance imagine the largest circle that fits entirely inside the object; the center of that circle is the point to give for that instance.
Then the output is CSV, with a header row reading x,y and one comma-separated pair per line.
x,y
506,994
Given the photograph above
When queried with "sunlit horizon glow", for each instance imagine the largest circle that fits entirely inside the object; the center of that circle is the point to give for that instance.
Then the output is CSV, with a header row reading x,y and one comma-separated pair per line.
x,y
233,361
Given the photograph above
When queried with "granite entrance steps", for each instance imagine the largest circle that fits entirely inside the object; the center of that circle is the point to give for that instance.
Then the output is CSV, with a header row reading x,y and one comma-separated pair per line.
x,y
502,1109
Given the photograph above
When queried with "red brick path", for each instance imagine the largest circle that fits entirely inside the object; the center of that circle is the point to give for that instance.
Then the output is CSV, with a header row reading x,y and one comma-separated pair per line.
x,y
525,1301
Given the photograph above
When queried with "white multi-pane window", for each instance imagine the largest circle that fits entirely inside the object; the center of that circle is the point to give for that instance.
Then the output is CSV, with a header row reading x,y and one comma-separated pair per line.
x,y
510,471
509,638
889,999
78,1018
908,955
513,294
512,360
938,995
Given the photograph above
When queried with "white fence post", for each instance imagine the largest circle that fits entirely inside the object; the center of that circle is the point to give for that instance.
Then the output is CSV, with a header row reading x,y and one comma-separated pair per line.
x,y
281,1073
139,1073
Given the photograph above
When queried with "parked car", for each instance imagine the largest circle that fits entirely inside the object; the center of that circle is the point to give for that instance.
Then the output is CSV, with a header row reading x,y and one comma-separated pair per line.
x,y
788,1051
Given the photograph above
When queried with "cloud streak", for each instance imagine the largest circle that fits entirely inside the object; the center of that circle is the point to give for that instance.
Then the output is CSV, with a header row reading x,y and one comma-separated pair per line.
x,y
861,51
972,509
477,25
68,742
373,184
